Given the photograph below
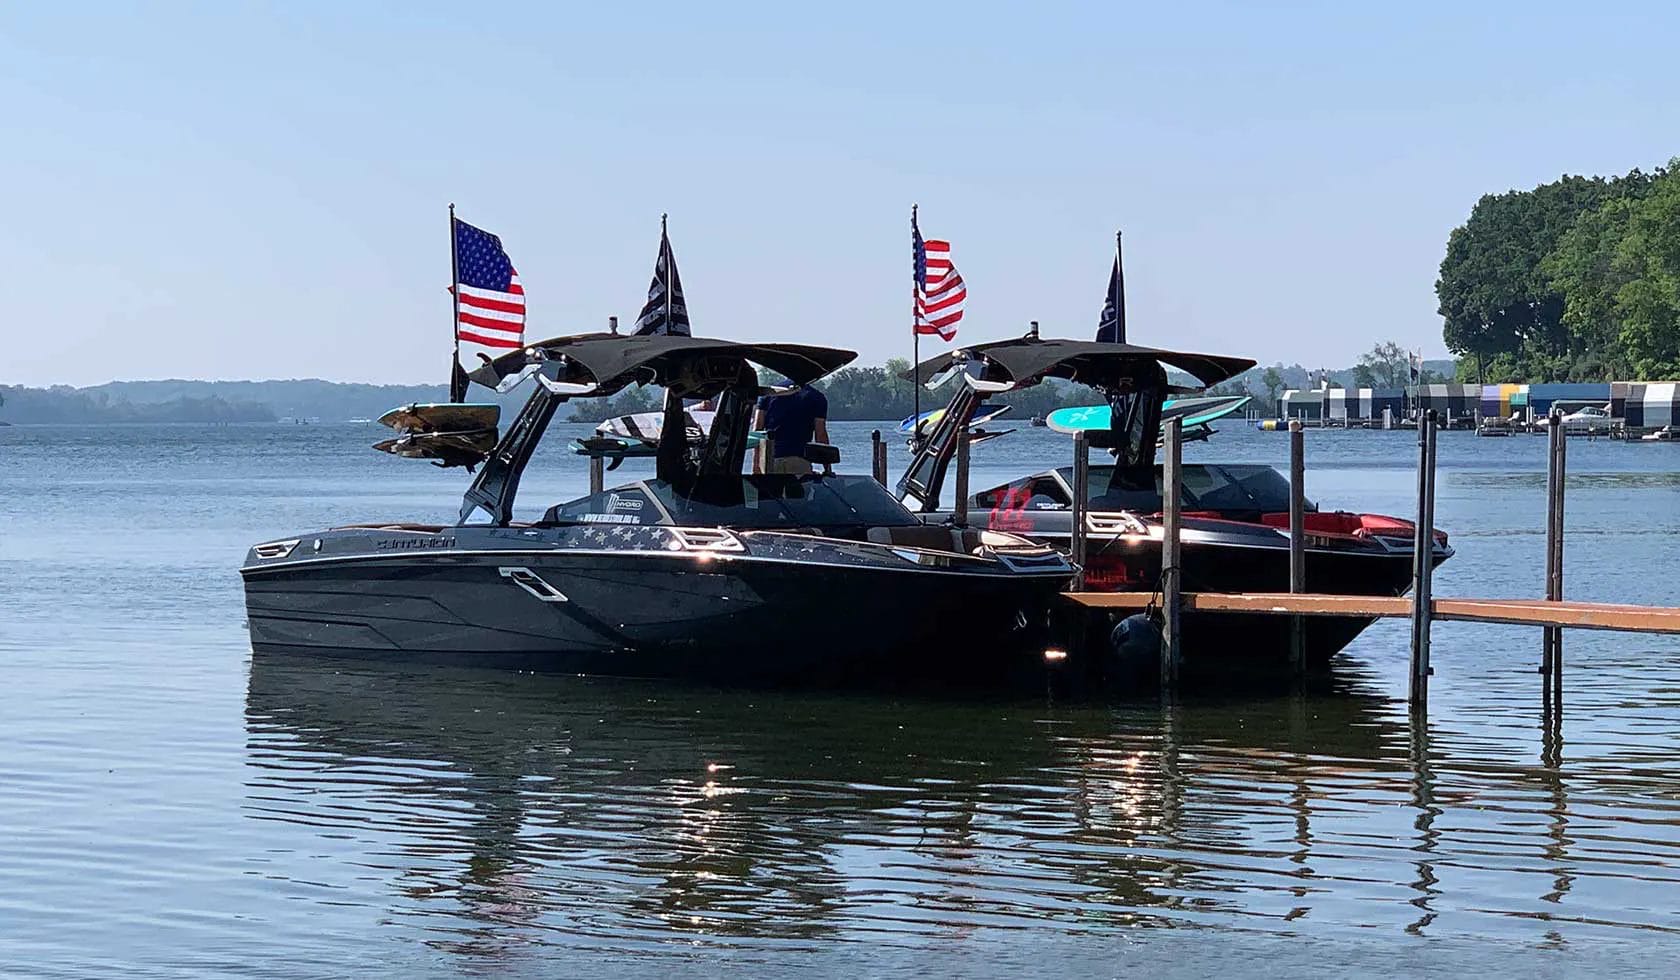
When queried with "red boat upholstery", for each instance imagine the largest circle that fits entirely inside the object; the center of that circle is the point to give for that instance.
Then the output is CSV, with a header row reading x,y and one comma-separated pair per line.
x,y
1345,522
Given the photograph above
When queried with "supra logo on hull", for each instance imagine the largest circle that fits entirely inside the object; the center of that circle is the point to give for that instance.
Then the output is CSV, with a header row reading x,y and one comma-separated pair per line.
x,y
388,544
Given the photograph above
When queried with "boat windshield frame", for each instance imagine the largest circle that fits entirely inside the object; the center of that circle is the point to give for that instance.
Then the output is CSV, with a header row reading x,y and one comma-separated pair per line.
x,y
755,502
1223,480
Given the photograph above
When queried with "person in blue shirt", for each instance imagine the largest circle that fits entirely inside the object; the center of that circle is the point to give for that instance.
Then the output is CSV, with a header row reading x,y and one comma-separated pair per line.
x,y
790,423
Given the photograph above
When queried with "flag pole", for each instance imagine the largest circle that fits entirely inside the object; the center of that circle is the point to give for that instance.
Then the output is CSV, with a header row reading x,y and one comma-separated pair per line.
x,y
915,342
1120,301
665,260
455,318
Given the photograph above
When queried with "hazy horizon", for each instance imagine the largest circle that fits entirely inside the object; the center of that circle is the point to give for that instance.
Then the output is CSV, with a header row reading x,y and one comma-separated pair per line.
x,y
259,192
444,382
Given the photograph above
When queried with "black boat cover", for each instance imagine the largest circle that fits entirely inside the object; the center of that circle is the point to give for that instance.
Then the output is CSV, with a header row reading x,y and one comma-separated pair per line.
x,y
1029,360
609,362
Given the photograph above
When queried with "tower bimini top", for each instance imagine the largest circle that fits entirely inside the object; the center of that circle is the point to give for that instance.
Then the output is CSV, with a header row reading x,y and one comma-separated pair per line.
x,y
600,364
1025,361
1132,379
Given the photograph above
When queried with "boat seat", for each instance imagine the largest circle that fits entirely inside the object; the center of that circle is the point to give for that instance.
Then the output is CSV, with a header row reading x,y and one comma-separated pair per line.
x,y
932,537
1344,522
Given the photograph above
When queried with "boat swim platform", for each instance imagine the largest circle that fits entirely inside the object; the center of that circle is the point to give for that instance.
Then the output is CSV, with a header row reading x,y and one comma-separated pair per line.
x,y
1515,612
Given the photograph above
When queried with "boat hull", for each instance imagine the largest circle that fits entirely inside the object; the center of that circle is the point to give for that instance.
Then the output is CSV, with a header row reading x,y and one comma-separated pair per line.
x,y
1238,560
653,613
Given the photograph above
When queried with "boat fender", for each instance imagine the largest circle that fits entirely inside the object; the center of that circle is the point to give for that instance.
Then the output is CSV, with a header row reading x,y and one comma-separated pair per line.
x,y
1136,640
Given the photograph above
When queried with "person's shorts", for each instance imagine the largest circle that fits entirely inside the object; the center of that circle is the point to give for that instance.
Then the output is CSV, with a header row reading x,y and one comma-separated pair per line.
x,y
789,465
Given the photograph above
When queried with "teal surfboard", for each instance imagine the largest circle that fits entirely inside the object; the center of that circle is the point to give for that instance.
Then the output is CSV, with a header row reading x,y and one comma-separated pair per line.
x,y
1192,411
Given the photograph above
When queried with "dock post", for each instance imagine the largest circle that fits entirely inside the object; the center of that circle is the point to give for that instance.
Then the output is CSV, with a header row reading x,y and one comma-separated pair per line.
x,y
878,457
1297,544
597,474
1171,571
959,512
1081,494
1551,644
1422,562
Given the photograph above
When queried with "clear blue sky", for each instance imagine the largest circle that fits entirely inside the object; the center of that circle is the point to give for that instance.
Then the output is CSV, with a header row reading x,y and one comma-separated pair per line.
x,y
247,190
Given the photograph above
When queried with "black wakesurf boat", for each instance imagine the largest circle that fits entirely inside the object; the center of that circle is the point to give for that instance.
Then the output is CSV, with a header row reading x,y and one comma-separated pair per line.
x,y
702,571
1235,535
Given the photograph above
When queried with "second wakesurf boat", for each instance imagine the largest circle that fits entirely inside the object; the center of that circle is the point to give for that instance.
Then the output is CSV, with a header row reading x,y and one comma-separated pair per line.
x,y
1235,532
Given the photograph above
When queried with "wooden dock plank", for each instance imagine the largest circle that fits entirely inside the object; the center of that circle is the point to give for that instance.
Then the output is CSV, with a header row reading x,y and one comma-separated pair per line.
x,y
1306,604
1518,612
1576,615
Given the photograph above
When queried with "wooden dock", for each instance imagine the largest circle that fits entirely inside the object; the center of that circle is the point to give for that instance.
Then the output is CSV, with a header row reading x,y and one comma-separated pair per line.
x,y
1514,612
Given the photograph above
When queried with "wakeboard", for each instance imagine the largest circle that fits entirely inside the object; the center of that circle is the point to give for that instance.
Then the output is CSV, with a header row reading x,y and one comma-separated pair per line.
x,y
1191,412
446,434
644,427
927,420
442,418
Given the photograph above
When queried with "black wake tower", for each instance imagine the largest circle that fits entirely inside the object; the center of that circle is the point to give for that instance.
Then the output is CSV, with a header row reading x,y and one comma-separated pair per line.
x,y
602,364
1133,380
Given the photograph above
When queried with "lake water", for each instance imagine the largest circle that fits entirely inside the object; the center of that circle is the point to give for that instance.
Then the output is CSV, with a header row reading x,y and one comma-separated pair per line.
x,y
169,807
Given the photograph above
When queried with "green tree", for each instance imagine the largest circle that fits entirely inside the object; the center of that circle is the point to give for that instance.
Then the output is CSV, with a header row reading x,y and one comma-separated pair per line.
x,y
629,401
1588,269
1272,381
1387,365
874,392
1495,296
1648,302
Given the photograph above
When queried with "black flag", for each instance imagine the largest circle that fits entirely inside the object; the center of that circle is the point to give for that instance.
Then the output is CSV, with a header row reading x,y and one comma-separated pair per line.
x,y
457,381
666,310
1111,329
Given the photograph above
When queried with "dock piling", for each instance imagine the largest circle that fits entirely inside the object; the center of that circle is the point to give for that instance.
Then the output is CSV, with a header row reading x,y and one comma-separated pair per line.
x,y
1171,554
878,457
1423,562
959,513
1297,544
597,474
1081,494
1551,643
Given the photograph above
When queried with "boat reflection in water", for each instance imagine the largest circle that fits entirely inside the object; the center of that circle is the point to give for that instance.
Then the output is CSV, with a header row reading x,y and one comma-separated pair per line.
x,y
525,809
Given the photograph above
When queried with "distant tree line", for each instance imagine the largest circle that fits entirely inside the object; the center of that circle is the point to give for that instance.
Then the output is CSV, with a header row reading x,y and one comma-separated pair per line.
x,y
864,394
854,393
1575,280
73,405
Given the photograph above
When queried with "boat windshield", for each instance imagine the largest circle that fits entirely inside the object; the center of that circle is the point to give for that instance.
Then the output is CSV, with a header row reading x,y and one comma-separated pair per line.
x,y
755,501
1233,489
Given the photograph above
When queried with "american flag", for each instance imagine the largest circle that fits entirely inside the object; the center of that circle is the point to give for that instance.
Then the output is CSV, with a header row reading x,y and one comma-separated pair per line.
x,y
939,287
490,302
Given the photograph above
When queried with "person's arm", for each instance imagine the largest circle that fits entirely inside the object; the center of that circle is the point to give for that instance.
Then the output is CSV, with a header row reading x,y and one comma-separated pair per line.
x,y
820,430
